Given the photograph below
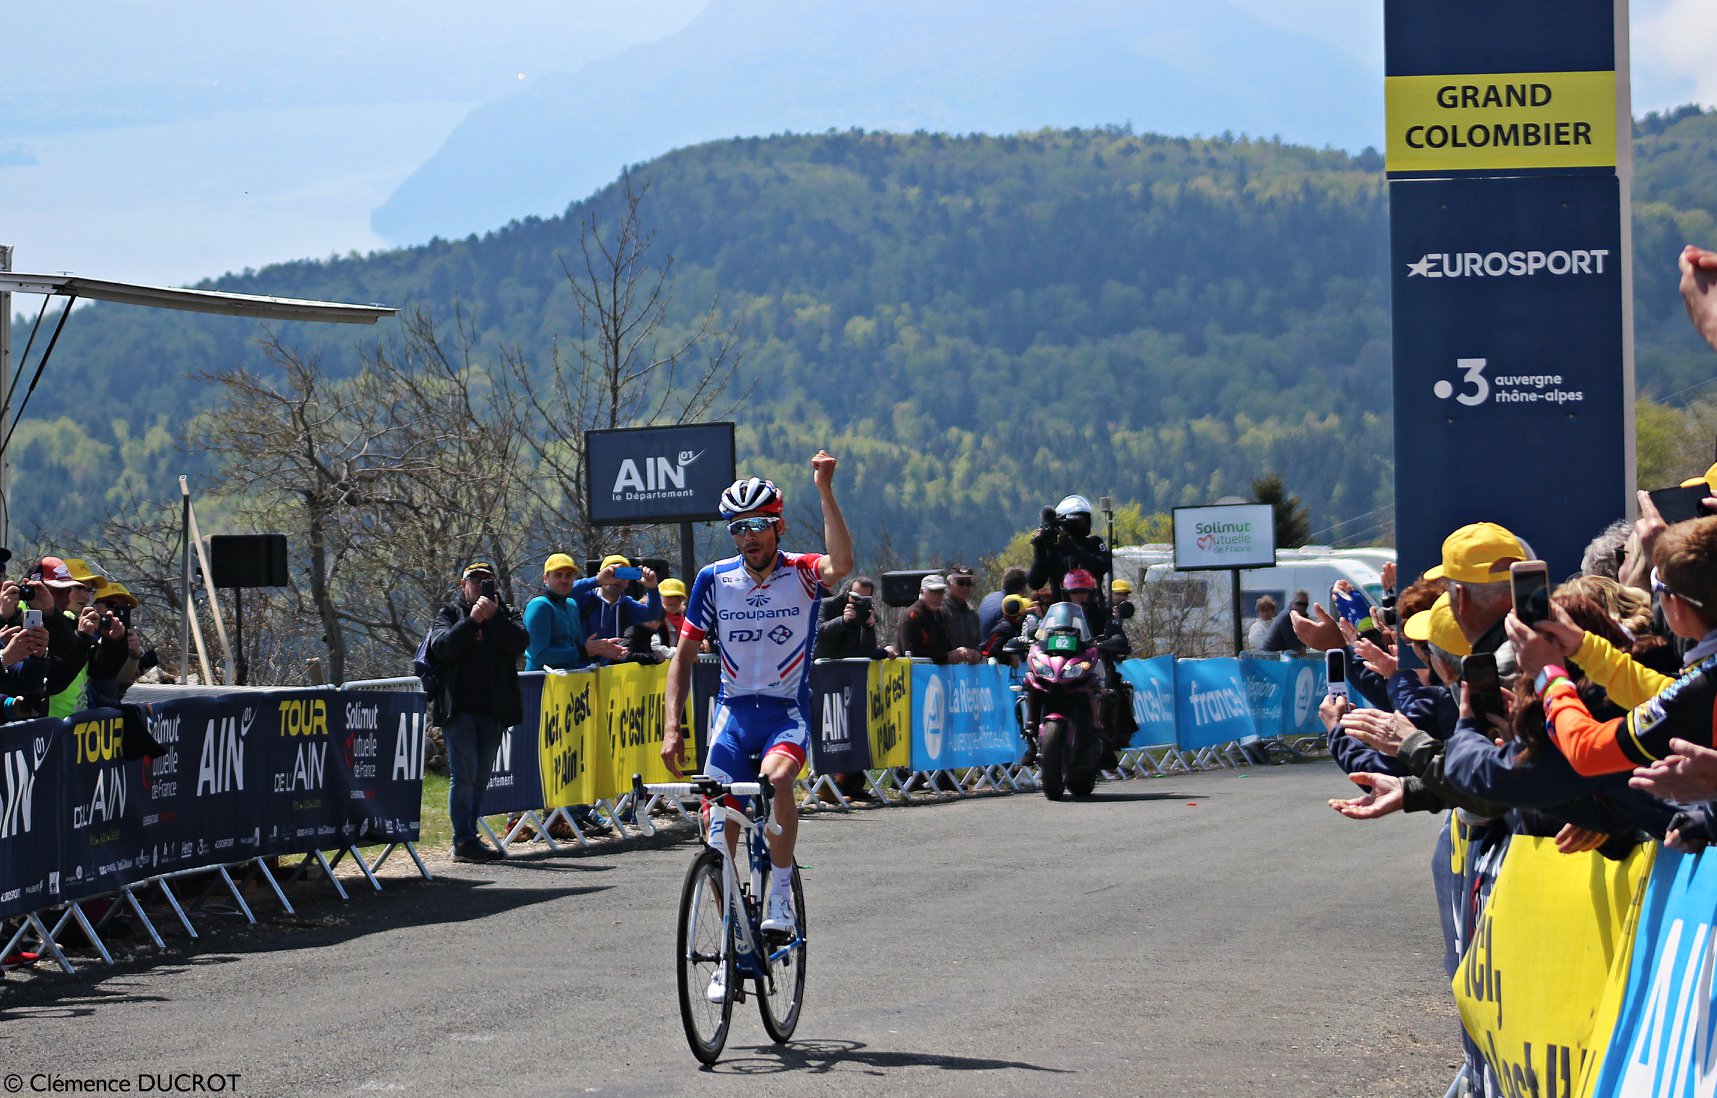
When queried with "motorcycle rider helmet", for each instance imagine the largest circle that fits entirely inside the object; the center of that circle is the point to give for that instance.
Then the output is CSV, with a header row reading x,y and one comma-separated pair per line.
x,y
1079,580
750,494
1074,512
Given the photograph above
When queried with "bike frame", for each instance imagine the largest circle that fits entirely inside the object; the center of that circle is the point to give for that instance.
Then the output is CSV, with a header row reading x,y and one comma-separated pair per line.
x,y
744,918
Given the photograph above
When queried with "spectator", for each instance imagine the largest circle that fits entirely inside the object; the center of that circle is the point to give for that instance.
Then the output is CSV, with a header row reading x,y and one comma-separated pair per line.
x,y
1007,628
113,598
923,631
1281,637
75,652
1686,578
1040,604
673,594
477,642
990,609
557,641
849,633
1259,630
957,611
552,619
615,624
1475,571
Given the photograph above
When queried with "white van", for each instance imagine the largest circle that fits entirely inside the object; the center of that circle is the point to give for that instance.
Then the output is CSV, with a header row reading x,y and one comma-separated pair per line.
x,y
1190,614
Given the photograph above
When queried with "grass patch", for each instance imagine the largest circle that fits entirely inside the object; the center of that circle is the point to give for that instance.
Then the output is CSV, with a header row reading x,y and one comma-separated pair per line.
x,y
436,829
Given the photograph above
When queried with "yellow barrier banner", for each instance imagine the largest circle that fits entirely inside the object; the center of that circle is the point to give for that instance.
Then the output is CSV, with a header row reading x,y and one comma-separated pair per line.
x,y
1541,960
889,686
564,733
632,706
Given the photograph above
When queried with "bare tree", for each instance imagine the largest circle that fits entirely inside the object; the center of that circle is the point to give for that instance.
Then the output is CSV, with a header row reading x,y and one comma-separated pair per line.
x,y
627,367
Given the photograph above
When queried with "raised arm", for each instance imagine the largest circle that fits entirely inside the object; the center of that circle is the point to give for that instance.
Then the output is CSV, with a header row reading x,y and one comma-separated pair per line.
x,y
837,560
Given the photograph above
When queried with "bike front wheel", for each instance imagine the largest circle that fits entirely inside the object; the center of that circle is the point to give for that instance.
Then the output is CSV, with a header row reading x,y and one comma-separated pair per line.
x,y
781,992
705,950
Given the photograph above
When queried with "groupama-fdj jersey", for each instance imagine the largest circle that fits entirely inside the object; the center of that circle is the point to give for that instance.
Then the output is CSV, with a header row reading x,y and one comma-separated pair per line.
x,y
764,633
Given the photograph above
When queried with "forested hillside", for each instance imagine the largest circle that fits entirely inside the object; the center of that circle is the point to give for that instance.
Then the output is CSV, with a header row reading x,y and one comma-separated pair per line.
x,y
975,324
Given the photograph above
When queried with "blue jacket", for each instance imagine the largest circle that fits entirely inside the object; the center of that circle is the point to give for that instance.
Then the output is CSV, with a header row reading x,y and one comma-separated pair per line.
x,y
602,619
1433,709
1475,765
557,634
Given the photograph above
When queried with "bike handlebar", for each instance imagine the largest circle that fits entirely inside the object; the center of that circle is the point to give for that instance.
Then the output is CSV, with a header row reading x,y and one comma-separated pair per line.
x,y
703,785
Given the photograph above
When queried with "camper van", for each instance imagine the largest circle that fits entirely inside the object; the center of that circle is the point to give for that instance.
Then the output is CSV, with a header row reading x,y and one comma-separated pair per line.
x,y
1190,614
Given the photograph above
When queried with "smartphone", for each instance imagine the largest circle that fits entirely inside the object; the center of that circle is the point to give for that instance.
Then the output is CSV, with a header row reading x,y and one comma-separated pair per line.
x,y
629,573
488,590
1681,504
32,619
1484,687
1335,667
1530,582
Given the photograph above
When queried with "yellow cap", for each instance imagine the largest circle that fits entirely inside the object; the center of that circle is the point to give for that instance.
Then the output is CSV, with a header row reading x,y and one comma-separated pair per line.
x,y
1480,553
84,574
1121,587
616,560
1709,480
1015,604
1437,625
671,587
558,561
116,590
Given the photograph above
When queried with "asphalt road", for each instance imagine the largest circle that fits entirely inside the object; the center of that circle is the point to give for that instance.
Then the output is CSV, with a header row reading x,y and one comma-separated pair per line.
x,y
1211,934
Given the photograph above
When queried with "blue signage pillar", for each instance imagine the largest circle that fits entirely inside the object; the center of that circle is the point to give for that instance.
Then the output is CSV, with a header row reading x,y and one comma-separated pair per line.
x,y
1508,145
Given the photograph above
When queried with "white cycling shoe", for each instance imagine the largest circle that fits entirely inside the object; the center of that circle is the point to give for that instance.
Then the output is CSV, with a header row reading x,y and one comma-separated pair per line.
x,y
717,990
778,913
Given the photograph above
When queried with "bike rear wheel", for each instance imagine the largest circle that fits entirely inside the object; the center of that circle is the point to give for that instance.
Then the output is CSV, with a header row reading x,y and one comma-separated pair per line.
x,y
781,995
704,948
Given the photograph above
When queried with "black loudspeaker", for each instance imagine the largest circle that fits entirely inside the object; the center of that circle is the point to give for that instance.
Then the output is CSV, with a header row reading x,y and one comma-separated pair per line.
x,y
901,588
248,560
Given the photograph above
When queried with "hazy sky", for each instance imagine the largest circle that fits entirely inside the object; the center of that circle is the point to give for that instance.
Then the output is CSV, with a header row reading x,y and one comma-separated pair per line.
x,y
166,143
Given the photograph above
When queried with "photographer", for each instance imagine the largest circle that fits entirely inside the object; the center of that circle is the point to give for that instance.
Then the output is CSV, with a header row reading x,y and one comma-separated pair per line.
x,y
848,630
81,646
616,626
1065,544
114,599
477,641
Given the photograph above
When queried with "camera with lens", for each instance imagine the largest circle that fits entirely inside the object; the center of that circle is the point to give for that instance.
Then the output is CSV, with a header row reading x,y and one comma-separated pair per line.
x,y
27,592
861,605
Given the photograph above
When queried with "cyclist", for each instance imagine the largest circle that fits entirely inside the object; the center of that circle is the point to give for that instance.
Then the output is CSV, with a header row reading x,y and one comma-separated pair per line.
x,y
761,608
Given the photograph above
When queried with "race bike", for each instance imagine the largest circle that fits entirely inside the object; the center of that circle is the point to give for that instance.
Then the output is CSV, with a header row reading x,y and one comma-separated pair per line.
x,y
1064,672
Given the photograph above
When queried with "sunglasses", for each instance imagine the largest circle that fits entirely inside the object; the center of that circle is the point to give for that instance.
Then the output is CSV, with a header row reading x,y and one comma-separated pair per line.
x,y
960,582
1662,588
750,525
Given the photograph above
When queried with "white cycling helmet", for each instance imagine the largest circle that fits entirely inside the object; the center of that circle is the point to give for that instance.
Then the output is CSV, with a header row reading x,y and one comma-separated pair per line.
x,y
751,494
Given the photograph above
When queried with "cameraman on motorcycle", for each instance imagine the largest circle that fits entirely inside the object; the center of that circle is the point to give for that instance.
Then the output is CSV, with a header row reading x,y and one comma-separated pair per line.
x,y
1064,544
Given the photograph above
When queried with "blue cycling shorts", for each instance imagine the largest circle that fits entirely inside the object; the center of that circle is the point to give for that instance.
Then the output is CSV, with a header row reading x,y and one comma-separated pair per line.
x,y
747,728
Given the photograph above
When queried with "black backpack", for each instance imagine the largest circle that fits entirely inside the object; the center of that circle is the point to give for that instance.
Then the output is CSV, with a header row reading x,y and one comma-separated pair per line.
x,y
427,670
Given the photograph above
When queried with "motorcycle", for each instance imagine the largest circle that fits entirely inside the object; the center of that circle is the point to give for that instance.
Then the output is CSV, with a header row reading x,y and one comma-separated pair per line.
x,y
1064,672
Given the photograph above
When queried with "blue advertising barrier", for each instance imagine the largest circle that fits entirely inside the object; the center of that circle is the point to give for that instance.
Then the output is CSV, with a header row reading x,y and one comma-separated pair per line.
x,y
1211,703
962,716
1153,683
1662,1039
30,765
1284,695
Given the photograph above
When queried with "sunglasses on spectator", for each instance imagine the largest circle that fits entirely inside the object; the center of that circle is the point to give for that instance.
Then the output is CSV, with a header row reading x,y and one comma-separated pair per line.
x,y
750,525
1662,588
961,581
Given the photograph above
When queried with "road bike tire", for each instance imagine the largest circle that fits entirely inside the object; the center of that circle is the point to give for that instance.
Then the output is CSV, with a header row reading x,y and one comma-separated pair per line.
x,y
1051,747
781,997
704,944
